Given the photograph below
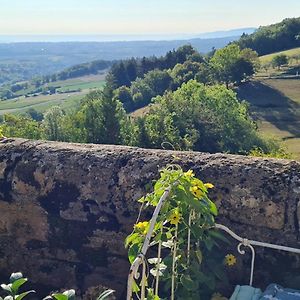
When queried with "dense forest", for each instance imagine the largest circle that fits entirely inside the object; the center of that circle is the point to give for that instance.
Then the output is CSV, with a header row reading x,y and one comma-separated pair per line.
x,y
273,38
137,81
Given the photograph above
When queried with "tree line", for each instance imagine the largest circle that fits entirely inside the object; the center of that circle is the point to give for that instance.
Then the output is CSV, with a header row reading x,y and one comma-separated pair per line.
x,y
229,65
273,38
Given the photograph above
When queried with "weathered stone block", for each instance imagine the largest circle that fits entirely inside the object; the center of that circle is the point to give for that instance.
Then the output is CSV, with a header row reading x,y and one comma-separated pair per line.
x,y
66,208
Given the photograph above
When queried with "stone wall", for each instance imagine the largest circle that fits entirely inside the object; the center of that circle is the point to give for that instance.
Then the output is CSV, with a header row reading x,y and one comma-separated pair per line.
x,y
66,208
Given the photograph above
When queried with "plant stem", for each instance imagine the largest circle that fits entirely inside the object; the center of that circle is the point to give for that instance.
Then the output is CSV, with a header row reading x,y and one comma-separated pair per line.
x,y
158,262
174,264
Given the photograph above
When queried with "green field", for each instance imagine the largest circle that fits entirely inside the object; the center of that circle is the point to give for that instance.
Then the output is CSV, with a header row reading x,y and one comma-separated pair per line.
x,y
290,53
275,104
66,100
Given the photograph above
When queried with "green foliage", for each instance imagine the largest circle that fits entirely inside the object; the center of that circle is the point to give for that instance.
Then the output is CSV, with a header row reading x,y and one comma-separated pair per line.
x,y
52,123
126,71
233,65
273,38
17,280
280,60
103,117
12,289
275,151
21,126
93,67
182,73
201,118
189,259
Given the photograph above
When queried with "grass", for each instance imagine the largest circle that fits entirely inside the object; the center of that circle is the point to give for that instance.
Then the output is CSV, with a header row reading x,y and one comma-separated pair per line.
x,y
275,104
290,53
40,103
66,100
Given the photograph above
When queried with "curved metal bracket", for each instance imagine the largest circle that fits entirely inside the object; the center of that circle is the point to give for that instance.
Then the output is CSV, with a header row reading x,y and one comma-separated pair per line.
x,y
250,243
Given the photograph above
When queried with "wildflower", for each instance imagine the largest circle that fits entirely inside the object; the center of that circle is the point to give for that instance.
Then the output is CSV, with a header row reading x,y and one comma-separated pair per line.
x,y
230,260
189,173
142,227
196,191
175,217
209,185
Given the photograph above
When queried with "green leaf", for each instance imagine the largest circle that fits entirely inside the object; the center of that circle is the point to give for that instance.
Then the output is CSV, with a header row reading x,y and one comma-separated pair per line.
x,y
70,294
15,276
218,235
6,287
133,253
188,283
59,296
213,208
17,284
135,287
21,296
209,243
199,256
194,203
132,239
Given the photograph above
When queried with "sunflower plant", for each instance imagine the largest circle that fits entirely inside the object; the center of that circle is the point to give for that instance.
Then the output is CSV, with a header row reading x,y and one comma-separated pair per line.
x,y
180,263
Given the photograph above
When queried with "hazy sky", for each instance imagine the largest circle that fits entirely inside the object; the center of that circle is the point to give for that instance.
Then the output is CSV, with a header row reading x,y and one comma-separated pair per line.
x,y
139,16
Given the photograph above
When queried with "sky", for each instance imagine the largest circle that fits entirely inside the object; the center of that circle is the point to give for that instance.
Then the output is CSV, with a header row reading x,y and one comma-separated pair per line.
x,y
45,17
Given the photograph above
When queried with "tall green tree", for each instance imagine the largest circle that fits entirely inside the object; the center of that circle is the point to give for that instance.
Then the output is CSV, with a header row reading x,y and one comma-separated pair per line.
x,y
103,117
232,65
52,124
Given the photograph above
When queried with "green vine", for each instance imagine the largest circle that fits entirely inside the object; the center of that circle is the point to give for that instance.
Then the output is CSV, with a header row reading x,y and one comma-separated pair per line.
x,y
183,265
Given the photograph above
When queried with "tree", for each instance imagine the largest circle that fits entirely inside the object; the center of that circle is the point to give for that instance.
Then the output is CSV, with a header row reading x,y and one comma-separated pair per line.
x,y
123,94
279,60
21,126
34,114
184,72
52,124
273,38
103,117
201,118
231,65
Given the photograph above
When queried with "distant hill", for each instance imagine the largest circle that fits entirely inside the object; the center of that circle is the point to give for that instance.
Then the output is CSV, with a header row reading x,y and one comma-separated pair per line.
x,y
123,37
227,33
22,61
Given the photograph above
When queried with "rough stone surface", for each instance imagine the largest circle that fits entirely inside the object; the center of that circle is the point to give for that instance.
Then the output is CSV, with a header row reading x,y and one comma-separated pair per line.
x,y
66,208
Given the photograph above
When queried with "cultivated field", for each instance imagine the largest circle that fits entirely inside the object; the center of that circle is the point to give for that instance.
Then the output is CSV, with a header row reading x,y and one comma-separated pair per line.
x,y
72,92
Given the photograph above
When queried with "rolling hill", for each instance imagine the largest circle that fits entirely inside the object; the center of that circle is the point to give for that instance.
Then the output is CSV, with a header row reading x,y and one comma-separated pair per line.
x,y
291,53
275,105
22,61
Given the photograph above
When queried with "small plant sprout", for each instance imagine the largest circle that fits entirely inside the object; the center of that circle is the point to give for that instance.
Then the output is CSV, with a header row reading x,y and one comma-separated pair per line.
x,y
12,288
